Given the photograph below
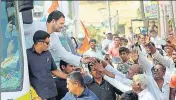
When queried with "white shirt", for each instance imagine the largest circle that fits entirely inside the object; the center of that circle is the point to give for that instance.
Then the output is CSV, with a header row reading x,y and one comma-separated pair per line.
x,y
119,76
145,95
117,84
152,85
144,50
111,45
154,89
105,43
131,37
93,53
57,50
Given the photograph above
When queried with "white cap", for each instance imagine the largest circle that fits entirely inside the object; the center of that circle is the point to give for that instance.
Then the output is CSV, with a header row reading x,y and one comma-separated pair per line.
x,y
107,32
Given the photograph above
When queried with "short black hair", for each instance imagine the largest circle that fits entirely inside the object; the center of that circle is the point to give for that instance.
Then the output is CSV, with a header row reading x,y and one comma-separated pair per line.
x,y
40,35
163,67
153,31
76,76
126,40
124,49
115,34
92,40
123,39
55,15
129,27
63,63
78,69
129,95
116,37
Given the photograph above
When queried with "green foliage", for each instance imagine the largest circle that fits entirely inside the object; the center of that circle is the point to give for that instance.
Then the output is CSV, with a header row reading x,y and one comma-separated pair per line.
x,y
139,15
170,22
94,33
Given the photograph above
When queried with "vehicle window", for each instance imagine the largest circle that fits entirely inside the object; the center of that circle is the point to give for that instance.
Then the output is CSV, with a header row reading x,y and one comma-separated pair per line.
x,y
11,60
38,10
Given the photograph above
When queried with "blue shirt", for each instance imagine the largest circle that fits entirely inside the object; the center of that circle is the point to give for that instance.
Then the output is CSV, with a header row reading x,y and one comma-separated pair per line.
x,y
40,67
86,95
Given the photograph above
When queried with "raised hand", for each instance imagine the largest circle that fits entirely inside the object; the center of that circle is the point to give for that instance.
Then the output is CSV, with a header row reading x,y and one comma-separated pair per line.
x,y
86,60
134,55
98,66
151,48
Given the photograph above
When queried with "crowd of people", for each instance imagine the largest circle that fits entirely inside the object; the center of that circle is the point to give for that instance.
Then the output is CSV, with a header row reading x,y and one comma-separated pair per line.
x,y
132,68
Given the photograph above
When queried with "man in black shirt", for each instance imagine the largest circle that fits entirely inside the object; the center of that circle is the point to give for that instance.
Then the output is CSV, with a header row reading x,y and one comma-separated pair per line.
x,y
42,66
101,88
61,83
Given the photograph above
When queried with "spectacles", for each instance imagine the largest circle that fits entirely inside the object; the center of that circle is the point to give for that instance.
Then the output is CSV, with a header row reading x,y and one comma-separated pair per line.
x,y
155,69
46,43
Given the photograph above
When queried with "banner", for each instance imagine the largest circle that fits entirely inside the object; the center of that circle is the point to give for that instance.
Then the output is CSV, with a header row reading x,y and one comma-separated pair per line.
x,y
151,9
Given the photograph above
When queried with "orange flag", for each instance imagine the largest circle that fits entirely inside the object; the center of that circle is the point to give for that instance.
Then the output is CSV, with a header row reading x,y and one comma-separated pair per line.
x,y
54,6
85,44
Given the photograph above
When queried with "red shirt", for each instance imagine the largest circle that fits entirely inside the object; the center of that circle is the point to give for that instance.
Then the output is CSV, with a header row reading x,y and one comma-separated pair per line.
x,y
114,52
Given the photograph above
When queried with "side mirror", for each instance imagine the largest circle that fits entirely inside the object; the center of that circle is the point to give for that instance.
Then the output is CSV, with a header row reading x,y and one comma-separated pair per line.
x,y
27,17
25,7
75,42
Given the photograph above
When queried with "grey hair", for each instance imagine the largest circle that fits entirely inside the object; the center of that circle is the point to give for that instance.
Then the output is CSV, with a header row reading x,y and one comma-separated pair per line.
x,y
163,67
76,76
141,79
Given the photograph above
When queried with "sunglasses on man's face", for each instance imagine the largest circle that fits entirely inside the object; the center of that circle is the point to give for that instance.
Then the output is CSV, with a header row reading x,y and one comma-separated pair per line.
x,y
155,69
47,43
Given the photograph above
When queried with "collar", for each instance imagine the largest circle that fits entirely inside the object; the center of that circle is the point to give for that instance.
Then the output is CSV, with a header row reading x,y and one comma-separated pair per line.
x,y
93,50
34,51
166,80
84,93
142,92
93,81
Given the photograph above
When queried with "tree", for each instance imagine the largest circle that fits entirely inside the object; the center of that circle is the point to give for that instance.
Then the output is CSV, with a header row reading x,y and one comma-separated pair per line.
x,y
94,33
